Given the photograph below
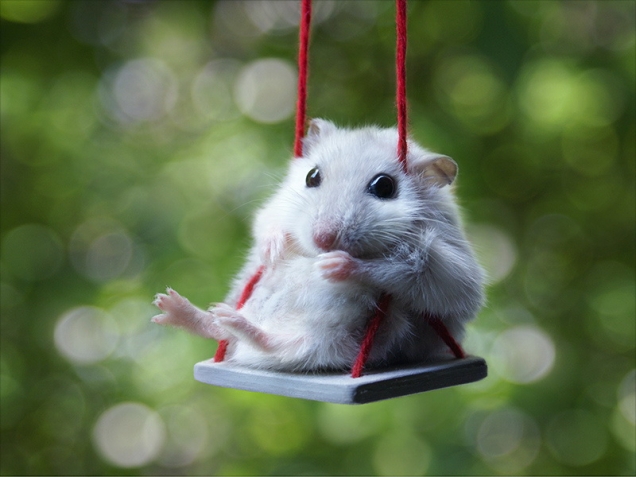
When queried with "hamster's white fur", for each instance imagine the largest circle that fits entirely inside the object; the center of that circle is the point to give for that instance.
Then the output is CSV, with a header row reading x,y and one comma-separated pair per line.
x,y
330,248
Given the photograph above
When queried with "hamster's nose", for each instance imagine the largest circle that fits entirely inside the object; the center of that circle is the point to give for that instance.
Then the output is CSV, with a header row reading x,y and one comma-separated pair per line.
x,y
325,240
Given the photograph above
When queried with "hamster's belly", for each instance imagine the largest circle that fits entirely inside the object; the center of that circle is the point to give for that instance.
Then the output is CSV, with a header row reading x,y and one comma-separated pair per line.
x,y
294,300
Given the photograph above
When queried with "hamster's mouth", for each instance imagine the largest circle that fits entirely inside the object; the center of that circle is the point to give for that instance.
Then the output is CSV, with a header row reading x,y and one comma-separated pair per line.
x,y
353,250
359,247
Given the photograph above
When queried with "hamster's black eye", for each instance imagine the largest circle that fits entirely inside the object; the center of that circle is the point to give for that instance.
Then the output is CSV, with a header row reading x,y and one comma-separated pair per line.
x,y
382,186
313,178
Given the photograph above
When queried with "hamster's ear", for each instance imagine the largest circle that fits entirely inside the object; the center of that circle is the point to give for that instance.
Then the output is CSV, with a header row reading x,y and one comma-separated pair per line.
x,y
317,130
320,128
434,169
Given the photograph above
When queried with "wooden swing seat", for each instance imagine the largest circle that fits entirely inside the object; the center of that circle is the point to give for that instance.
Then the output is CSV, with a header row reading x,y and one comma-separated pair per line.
x,y
341,388
355,387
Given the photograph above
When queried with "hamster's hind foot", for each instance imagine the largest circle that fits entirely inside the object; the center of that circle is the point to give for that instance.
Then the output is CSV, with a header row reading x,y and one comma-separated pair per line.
x,y
235,323
178,311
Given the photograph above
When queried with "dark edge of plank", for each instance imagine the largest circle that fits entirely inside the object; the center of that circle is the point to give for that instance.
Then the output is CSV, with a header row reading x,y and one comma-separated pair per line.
x,y
452,373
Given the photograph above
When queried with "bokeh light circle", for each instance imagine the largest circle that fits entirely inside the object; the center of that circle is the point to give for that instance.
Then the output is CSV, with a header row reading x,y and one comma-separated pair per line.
x,y
141,90
346,425
86,335
101,250
627,397
495,249
469,87
508,440
399,453
266,90
523,354
129,435
268,15
211,90
145,89
108,255
187,435
576,437
500,433
28,11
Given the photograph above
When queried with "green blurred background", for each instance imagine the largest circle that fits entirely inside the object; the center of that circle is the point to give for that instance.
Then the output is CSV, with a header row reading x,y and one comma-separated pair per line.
x,y
139,136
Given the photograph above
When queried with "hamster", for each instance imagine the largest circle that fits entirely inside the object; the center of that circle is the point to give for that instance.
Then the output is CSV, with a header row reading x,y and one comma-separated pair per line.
x,y
348,224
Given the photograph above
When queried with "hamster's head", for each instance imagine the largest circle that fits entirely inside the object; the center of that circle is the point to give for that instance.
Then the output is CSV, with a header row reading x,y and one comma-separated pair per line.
x,y
350,192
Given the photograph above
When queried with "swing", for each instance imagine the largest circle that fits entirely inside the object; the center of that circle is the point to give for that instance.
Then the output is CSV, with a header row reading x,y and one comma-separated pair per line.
x,y
374,384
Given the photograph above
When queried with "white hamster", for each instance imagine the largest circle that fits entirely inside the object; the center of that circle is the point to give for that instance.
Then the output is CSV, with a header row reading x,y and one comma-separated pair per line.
x,y
347,225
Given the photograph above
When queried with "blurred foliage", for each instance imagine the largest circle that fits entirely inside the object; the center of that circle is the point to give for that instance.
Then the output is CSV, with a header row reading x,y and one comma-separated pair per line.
x,y
137,138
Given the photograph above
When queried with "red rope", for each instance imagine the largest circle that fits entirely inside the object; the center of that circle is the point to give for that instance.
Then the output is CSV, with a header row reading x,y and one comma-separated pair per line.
x,y
249,287
441,330
400,73
400,100
301,111
374,325
245,295
220,351
301,101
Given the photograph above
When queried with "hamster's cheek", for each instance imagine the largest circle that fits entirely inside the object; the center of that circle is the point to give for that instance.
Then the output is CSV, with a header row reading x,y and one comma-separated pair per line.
x,y
391,224
306,242
300,227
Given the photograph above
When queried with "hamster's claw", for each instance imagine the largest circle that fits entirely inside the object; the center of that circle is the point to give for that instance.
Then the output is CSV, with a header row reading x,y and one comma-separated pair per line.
x,y
172,302
161,302
161,319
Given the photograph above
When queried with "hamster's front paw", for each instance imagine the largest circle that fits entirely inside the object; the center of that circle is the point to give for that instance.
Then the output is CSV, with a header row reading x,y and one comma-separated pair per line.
x,y
274,246
336,266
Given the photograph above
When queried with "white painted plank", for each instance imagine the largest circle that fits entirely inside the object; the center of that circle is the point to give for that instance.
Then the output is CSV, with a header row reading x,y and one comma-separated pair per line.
x,y
374,385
